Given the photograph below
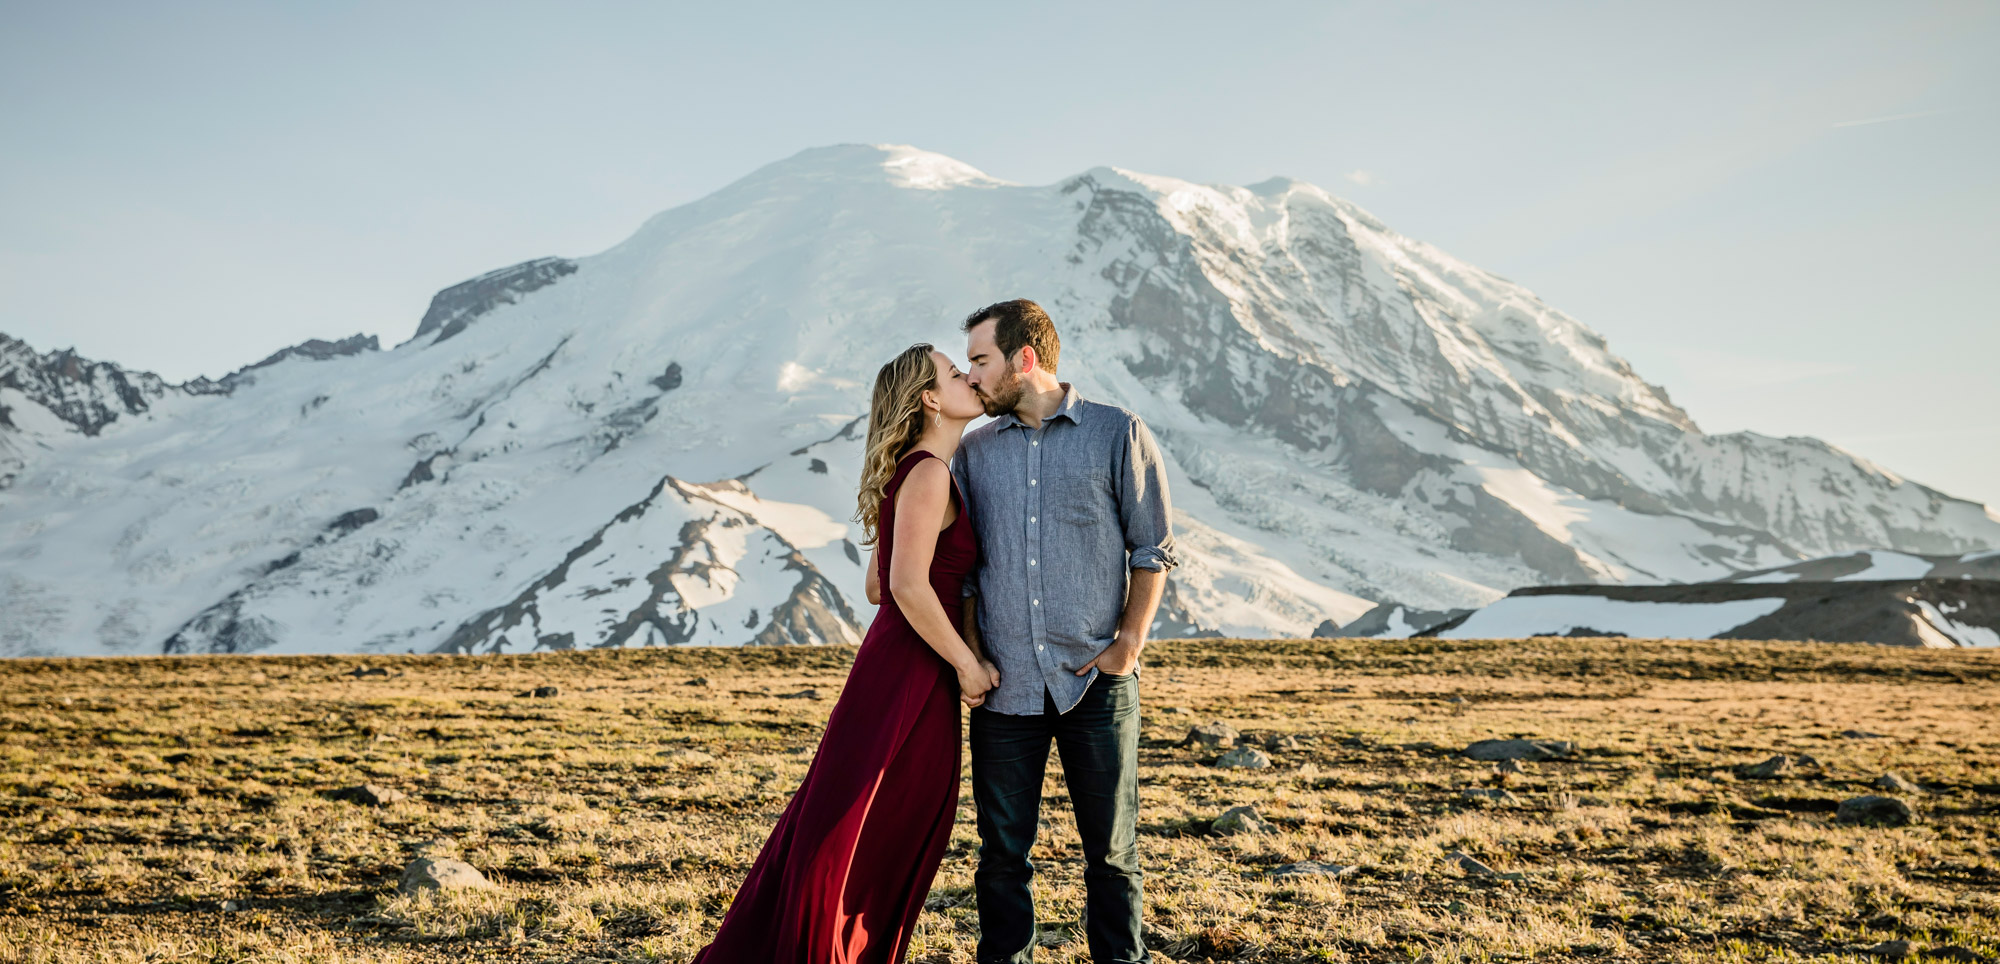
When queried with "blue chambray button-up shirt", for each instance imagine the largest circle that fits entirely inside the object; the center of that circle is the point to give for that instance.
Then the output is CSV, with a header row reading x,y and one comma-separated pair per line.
x,y
1063,512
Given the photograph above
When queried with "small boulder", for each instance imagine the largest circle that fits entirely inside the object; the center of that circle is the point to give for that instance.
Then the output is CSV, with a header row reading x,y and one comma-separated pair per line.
x,y
1860,735
1469,865
545,692
1771,769
697,681
1889,950
360,671
1493,750
1214,735
805,694
1895,784
1244,758
440,873
1307,868
1875,810
1953,952
1509,767
1281,741
1239,820
373,795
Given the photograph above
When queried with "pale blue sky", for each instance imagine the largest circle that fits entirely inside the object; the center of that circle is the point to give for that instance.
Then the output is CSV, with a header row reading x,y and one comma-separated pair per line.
x,y
1784,212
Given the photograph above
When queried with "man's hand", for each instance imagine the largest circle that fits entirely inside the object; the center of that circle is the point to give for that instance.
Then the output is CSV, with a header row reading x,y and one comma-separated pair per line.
x,y
1118,659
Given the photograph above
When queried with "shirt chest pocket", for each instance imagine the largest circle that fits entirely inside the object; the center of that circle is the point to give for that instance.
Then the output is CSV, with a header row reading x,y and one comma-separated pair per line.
x,y
1080,500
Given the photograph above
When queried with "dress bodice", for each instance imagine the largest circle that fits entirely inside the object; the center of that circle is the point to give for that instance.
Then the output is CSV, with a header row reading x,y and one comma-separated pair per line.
x,y
957,550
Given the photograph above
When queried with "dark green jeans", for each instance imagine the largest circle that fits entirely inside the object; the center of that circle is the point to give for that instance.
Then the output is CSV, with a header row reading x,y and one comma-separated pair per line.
x,y
1098,740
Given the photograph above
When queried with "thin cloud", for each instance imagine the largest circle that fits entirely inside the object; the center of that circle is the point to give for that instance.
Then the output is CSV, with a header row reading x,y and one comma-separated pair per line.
x,y
1363,177
1892,117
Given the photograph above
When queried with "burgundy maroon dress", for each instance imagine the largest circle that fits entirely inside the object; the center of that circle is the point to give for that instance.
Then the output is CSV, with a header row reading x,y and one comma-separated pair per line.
x,y
844,873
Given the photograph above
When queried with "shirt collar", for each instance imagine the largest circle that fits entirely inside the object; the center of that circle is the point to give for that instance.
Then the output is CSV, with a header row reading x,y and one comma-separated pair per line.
x,y
1071,408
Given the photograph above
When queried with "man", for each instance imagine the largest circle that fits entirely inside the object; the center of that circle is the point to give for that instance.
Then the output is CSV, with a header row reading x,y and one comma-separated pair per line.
x,y
1069,500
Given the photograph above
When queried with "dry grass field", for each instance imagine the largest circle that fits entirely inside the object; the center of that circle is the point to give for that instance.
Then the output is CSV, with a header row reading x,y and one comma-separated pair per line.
x,y
189,809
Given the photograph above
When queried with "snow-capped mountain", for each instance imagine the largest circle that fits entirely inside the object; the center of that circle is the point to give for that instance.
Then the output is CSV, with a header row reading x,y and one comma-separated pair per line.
x,y
658,443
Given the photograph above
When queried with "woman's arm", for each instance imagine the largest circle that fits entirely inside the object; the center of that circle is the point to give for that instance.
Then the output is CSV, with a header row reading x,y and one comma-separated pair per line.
x,y
970,627
873,584
921,502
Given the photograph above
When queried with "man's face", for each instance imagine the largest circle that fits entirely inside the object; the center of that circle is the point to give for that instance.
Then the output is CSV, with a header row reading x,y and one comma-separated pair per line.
x,y
992,375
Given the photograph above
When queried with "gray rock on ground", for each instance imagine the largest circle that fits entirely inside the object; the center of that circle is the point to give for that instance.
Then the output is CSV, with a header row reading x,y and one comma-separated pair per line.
x,y
1281,741
1875,809
1495,750
1896,784
1307,868
1217,735
1888,950
440,873
1239,820
1244,758
1469,865
1509,766
373,795
1771,769
1955,953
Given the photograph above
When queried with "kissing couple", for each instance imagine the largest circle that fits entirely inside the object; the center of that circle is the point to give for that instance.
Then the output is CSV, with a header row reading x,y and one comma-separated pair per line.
x,y
1022,564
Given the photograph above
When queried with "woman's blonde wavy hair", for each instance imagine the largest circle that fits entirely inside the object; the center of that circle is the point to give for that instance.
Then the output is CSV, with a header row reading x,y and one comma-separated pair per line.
x,y
895,420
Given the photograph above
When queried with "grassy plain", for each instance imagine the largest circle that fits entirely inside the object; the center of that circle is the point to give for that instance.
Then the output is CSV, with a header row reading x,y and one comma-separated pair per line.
x,y
187,809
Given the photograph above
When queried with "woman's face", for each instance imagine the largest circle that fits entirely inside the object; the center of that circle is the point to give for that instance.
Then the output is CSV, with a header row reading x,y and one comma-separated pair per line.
x,y
955,398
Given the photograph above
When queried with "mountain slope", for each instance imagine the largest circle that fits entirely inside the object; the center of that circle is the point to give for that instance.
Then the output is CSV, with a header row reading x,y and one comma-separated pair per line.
x,y
657,443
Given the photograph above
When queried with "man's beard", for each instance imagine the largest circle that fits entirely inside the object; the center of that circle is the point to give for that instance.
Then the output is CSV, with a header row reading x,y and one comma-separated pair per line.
x,y
1002,401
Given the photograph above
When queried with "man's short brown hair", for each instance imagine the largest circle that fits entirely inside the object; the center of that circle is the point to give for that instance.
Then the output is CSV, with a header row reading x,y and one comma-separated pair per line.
x,y
1017,323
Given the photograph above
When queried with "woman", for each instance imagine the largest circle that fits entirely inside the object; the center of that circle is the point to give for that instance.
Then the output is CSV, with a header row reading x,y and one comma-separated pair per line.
x,y
843,875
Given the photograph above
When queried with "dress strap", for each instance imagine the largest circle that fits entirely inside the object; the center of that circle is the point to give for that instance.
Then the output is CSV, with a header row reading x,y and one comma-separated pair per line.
x,y
928,454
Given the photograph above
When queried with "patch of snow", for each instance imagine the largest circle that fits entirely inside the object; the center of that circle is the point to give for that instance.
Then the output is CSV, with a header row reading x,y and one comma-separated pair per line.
x,y
1775,575
1558,615
1960,634
1887,566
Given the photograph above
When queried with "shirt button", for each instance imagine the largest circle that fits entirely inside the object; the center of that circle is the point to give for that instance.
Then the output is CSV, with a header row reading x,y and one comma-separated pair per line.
x,y
1040,646
1031,518
1038,602
1036,442
1031,481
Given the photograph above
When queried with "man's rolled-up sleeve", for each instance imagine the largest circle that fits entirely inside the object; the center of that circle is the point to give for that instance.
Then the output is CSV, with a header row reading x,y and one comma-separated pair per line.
x,y
1143,504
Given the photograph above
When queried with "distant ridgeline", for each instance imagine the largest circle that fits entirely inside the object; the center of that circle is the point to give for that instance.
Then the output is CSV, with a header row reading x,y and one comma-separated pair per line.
x,y
1894,598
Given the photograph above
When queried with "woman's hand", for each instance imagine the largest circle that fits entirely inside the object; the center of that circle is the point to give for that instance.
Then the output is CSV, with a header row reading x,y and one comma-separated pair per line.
x,y
976,682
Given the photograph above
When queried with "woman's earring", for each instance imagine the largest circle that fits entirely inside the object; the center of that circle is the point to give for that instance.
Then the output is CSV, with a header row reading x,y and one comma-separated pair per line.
x,y
937,419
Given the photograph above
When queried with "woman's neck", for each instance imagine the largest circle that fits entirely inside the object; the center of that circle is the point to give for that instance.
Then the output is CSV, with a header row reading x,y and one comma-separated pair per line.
x,y
941,440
